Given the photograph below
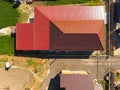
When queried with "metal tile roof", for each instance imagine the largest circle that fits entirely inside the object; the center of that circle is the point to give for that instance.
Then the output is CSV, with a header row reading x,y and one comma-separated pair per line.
x,y
63,28
24,36
72,12
82,26
76,82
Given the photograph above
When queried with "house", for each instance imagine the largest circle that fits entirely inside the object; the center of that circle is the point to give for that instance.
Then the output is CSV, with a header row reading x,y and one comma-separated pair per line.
x,y
77,80
63,28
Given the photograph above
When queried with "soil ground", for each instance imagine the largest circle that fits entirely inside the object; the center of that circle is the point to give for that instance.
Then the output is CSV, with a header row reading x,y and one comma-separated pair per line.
x,y
23,73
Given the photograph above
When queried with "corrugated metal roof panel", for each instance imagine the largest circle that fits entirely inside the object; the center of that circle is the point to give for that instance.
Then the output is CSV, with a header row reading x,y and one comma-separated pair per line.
x,y
72,12
41,31
75,35
76,42
63,28
24,36
82,26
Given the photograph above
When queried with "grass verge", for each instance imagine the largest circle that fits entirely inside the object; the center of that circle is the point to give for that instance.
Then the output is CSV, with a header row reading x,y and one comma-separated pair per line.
x,y
8,15
6,45
63,2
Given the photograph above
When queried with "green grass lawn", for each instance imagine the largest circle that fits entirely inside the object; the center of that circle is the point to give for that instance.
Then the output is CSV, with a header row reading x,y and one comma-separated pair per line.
x,y
6,45
8,15
62,2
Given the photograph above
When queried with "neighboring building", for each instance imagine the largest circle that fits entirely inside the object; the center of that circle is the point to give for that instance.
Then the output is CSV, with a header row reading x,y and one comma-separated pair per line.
x,y
77,80
71,28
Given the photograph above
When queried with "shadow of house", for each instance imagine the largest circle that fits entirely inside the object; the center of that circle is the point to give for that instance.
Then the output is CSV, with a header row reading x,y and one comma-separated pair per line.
x,y
55,83
109,80
117,12
11,1
17,4
112,16
54,54
48,0
116,38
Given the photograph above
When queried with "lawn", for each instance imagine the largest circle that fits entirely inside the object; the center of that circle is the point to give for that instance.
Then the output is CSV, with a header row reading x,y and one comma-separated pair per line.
x,y
7,45
62,2
8,14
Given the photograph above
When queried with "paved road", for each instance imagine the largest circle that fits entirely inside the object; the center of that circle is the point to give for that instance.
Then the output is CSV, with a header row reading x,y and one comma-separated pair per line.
x,y
95,66
89,65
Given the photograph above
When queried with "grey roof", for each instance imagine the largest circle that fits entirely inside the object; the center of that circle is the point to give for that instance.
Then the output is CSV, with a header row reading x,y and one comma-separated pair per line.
x,y
76,82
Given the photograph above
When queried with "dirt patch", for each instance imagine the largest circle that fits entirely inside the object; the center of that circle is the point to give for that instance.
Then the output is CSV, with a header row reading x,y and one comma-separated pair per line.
x,y
25,12
7,30
38,66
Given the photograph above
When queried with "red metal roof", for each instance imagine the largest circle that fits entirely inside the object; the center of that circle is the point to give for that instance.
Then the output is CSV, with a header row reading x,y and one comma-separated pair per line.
x,y
72,12
63,28
82,26
24,39
41,31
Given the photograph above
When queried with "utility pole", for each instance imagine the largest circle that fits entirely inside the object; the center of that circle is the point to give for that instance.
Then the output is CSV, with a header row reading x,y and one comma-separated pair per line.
x,y
109,42
111,27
